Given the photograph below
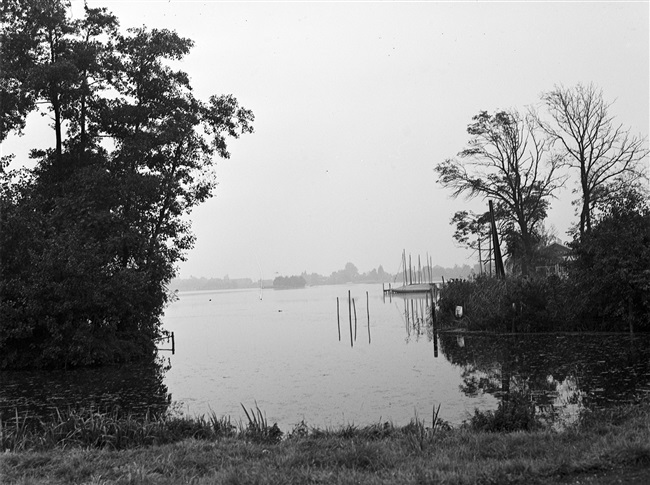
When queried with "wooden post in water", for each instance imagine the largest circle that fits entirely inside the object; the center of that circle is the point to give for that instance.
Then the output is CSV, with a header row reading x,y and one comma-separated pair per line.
x,y
367,307
173,344
368,313
350,317
435,343
338,317
433,324
354,305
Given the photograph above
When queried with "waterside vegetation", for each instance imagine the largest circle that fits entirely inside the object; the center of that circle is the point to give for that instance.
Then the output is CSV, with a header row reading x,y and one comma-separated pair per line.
x,y
604,285
91,235
108,449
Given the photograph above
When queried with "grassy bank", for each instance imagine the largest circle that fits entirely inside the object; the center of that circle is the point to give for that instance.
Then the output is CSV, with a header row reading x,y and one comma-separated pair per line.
x,y
210,450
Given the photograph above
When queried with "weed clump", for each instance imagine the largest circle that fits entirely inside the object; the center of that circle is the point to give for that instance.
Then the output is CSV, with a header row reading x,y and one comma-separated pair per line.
x,y
258,429
89,428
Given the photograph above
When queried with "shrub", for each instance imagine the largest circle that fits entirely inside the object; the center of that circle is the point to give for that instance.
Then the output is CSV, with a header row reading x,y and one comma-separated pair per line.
x,y
522,304
517,413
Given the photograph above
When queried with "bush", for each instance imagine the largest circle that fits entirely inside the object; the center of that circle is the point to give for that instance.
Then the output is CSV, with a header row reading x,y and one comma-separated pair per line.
x,y
610,269
522,304
517,413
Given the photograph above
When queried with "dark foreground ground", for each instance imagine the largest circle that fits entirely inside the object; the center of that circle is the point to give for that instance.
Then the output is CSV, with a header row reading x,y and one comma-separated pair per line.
x,y
607,448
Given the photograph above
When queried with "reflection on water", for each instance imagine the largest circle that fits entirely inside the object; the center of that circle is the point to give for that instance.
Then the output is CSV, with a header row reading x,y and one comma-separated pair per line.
x,y
415,312
562,374
133,389
285,354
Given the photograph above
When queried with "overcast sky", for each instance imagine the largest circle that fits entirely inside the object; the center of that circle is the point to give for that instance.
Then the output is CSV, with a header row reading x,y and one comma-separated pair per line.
x,y
355,103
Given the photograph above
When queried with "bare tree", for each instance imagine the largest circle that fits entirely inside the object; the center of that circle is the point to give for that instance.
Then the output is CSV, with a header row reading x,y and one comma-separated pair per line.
x,y
607,156
508,161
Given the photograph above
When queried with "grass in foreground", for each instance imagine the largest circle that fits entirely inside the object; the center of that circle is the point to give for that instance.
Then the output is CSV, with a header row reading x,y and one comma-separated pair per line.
x,y
253,452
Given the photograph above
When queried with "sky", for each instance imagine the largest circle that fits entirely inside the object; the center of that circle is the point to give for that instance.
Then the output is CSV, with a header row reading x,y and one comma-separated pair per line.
x,y
356,102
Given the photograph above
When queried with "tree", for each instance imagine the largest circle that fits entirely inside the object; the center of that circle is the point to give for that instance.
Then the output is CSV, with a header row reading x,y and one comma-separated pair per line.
x,y
606,155
473,232
508,161
91,236
611,266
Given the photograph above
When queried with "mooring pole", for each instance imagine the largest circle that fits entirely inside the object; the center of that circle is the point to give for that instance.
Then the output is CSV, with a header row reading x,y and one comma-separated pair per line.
x,y
368,312
354,306
173,344
435,343
367,306
350,317
338,317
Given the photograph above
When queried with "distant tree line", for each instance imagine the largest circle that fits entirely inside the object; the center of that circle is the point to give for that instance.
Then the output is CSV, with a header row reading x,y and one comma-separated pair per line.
x,y
207,284
349,274
91,236
289,282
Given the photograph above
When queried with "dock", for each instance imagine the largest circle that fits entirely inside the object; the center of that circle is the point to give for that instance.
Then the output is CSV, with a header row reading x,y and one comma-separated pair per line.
x,y
414,288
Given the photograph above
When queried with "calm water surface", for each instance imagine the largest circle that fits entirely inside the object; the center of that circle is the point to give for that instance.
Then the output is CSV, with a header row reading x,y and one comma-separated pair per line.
x,y
283,353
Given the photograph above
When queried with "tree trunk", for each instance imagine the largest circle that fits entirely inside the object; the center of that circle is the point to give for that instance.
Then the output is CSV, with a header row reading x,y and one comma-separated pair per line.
x,y
585,215
56,107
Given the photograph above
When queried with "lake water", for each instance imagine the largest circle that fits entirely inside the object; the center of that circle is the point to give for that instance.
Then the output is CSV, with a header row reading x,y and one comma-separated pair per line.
x,y
283,354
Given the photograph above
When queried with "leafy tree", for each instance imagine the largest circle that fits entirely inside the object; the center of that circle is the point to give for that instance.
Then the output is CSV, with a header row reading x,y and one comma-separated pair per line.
x,y
90,237
289,282
473,232
351,271
508,161
611,267
605,154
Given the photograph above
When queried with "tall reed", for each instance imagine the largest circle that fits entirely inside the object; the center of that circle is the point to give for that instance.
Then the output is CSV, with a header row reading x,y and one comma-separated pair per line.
x,y
113,430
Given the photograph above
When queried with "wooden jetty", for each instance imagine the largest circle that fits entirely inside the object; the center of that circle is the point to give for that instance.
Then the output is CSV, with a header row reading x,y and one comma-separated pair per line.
x,y
414,288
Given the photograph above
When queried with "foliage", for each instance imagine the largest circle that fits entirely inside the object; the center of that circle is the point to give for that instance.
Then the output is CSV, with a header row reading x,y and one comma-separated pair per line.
x,y
516,303
474,232
258,429
607,287
514,413
419,435
606,156
506,160
90,237
289,282
112,430
376,454
611,266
